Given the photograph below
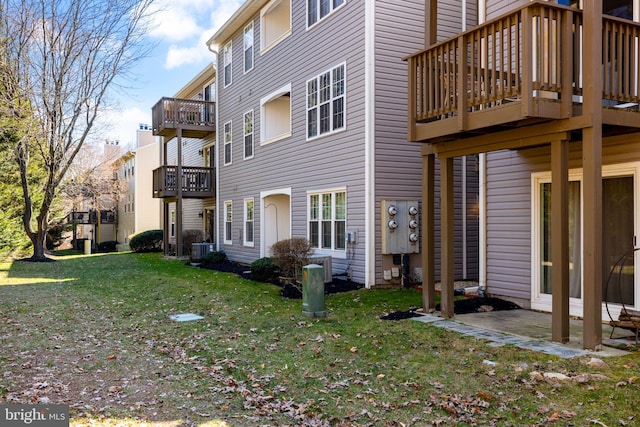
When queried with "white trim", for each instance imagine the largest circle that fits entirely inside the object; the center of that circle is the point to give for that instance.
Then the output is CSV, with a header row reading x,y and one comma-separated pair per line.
x,y
330,102
369,147
224,229
267,8
336,253
244,135
319,20
263,195
245,242
265,100
229,44
541,301
224,143
244,47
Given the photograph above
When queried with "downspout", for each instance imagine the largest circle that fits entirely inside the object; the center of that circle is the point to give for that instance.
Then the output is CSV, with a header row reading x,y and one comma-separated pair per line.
x,y
482,165
217,178
369,149
464,176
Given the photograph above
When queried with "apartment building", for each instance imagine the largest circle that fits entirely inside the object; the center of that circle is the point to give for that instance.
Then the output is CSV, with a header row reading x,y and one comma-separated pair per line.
x,y
311,138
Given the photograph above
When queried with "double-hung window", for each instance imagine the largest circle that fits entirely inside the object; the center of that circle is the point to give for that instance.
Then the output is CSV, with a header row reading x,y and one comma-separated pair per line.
x,y
248,222
227,143
248,134
319,9
326,102
248,47
227,58
228,222
328,219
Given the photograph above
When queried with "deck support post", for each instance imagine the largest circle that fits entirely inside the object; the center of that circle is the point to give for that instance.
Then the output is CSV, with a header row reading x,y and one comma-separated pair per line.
x,y
560,240
446,237
592,170
428,234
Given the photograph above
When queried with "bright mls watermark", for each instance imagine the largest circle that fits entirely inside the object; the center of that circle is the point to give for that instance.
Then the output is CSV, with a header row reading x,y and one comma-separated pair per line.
x,y
34,415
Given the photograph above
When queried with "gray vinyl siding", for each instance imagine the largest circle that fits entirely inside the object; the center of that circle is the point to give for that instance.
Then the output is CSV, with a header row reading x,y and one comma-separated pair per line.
x,y
327,162
509,207
336,160
496,8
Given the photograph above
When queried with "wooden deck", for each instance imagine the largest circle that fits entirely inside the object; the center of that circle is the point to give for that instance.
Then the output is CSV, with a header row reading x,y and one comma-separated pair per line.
x,y
195,118
196,182
520,69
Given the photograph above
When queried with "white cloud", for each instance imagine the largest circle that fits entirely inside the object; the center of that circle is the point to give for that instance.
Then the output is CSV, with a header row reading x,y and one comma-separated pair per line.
x,y
178,56
174,21
121,125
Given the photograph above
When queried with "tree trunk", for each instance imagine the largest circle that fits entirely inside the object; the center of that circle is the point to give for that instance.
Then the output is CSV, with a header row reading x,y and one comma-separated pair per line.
x,y
39,245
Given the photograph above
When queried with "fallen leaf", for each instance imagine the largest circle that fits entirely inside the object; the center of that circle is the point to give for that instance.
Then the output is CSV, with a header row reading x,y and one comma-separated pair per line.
x,y
353,350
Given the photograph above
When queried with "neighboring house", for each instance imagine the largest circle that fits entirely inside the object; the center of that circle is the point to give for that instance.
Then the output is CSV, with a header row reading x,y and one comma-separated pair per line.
x,y
546,94
93,193
186,179
137,209
312,138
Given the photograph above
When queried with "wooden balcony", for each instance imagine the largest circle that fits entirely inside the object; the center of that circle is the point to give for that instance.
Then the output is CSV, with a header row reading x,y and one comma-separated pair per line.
x,y
519,69
195,118
197,182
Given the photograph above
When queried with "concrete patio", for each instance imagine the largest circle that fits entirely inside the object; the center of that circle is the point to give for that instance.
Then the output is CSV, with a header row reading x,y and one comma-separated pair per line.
x,y
528,329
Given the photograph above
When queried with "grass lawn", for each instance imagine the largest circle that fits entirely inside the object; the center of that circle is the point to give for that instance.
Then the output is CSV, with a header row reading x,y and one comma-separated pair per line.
x,y
94,332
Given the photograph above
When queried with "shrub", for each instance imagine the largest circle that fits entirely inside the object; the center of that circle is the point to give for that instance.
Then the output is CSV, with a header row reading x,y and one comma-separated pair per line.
x,y
108,246
291,255
190,237
147,241
264,270
215,257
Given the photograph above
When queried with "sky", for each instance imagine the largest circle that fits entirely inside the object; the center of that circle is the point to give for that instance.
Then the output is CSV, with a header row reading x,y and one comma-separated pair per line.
x,y
179,31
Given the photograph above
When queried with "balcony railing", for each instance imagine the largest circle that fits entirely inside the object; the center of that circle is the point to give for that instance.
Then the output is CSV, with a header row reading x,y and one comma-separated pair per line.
x,y
525,64
197,182
195,118
91,217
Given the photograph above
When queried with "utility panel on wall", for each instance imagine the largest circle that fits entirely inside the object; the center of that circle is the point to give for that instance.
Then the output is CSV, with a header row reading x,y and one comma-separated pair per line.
x,y
400,227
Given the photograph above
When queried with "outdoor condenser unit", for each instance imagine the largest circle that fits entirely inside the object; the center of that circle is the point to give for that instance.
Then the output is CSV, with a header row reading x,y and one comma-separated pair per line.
x,y
199,249
325,261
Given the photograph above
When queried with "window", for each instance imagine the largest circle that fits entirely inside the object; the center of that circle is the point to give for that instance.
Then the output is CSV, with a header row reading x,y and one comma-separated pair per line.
x,y
248,47
328,219
619,192
275,117
227,58
172,224
325,102
319,9
228,221
248,134
227,143
248,222
275,23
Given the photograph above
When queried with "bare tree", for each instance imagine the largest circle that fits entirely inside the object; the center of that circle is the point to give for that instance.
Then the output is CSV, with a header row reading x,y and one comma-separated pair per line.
x,y
59,59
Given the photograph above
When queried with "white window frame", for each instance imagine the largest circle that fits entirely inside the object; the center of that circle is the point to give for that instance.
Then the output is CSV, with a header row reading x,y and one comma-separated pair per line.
x,y
267,42
317,12
227,69
248,47
172,223
541,301
249,221
228,223
333,250
337,90
248,133
227,142
267,138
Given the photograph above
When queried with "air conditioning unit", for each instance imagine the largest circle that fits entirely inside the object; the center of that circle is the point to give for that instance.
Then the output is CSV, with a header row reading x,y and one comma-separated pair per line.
x,y
199,249
325,261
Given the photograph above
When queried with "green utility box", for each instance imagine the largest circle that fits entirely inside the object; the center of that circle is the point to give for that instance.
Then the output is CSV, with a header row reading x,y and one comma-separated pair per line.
x,y
313,291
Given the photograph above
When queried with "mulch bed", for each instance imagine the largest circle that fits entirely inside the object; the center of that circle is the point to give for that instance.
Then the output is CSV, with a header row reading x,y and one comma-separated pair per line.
x,y
288,290
461,306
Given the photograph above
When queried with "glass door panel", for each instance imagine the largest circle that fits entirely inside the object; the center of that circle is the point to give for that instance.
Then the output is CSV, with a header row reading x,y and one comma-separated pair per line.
x,y
618,235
